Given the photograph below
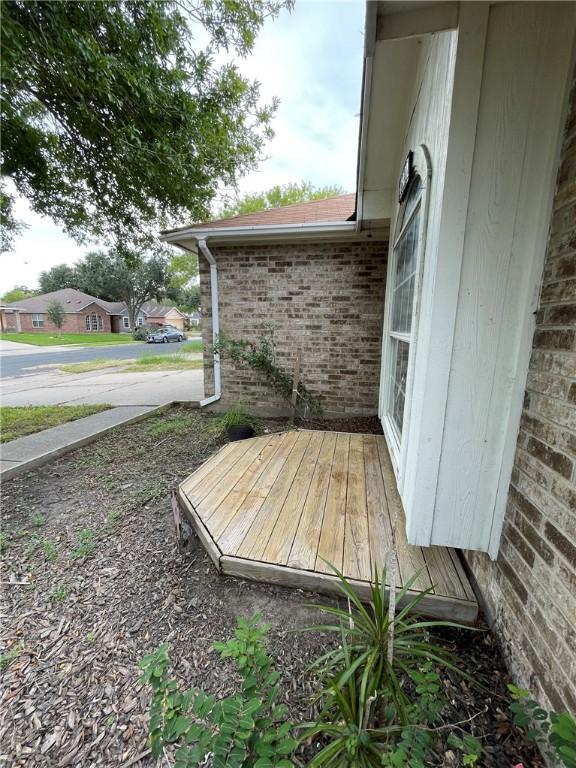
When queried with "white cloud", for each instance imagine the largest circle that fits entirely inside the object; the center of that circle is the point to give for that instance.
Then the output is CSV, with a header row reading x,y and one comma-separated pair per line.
x,y
312,60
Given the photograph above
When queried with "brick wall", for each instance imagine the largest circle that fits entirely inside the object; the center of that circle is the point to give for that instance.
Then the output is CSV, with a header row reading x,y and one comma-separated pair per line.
x,y
325,300
530,591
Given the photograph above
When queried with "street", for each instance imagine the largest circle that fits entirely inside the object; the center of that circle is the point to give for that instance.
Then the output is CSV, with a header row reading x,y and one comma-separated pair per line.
x,y
25,362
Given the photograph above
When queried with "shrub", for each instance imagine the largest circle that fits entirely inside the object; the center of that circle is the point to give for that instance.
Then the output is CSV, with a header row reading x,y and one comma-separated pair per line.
x,y
555,733
141,333
247,729
380,692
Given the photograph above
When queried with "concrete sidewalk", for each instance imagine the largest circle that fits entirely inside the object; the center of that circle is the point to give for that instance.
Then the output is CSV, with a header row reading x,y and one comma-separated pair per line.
x,y
26,453
148,388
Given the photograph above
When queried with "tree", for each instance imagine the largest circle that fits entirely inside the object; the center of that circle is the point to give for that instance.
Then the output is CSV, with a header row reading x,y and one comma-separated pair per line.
x,y
278,196
56,314
186,299
124,275
56,278
113,123
17,293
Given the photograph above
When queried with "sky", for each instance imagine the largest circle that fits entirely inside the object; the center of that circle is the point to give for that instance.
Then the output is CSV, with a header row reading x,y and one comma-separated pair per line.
x,y
311,59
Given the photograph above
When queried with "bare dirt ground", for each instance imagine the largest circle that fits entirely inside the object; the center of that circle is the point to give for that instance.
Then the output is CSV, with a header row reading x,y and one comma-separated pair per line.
x,y
92,580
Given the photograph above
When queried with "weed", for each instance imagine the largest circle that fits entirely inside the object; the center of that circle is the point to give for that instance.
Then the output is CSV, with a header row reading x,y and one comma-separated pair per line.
x,y
59,594
86,544
7,658
3,541
114,515
91,637
49,549
38,520
174,426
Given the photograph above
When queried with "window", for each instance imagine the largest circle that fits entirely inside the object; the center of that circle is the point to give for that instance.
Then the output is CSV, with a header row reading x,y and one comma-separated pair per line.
x,y
37,321
94,322
402,308
140,320
126,323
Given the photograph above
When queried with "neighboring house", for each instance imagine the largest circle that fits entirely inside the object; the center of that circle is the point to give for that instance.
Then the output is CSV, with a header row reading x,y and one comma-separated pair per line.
x,y
83,314
153,314
458,328
194,319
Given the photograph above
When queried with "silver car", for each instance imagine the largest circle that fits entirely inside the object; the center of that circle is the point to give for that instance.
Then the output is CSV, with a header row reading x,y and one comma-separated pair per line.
x,y
164,335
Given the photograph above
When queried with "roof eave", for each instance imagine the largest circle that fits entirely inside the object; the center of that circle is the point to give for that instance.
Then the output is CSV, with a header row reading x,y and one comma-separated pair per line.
x,y
314,230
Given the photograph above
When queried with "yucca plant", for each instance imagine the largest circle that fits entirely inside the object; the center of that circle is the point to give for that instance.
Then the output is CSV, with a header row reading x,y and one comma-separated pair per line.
x,y
345,718
367,628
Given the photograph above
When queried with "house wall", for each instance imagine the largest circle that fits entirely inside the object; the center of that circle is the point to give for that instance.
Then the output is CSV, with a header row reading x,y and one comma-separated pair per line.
x,y
324,299
530,590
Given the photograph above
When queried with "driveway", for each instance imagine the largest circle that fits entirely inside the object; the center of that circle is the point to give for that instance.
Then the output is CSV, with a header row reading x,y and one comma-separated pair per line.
x,y
23,359
147,388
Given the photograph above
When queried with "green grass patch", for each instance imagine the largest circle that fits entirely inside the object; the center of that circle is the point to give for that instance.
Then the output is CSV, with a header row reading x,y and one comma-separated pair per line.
x,y
178,425
41,339
19,421
195,345
91,365
86,544
163,363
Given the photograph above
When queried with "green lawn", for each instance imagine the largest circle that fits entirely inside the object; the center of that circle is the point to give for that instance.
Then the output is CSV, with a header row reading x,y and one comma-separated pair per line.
x,y
20,421
83,339
163,363
92,365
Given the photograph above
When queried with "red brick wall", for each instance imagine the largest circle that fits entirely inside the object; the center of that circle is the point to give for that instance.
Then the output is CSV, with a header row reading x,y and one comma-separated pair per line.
x,y
324,299
530,591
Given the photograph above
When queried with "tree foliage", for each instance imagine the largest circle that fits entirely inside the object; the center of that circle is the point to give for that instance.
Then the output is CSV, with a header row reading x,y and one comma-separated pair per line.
x,y
56,278
56,314
17,293
121,275
277,196
115,122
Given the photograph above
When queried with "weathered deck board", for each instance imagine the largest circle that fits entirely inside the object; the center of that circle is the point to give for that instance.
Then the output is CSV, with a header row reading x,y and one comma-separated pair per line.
x,y
279,508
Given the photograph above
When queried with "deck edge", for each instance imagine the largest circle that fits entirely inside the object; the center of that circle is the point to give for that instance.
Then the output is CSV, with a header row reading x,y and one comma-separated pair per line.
x,y
200,529
434,606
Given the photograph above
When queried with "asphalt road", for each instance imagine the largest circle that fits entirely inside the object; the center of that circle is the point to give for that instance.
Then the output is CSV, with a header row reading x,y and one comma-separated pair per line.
x,y
13,364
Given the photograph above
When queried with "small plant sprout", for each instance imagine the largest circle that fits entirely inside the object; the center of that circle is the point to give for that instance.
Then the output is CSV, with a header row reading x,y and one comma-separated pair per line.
x,y
7,658
49,549
38,520
59,594
86,544
3,541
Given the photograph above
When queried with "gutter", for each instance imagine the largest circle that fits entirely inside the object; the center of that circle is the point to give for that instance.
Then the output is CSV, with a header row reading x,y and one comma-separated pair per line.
x,y
203,248
369,49
278,230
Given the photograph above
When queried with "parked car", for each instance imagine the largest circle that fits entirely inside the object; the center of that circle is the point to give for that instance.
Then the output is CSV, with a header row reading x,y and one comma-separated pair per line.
x,y
165,334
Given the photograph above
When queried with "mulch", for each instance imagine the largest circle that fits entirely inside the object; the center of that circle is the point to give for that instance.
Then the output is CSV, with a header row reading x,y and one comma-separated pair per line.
x,y
77,617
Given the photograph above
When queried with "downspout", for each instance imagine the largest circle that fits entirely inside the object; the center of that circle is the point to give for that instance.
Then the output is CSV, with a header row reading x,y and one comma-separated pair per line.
x,y
203,248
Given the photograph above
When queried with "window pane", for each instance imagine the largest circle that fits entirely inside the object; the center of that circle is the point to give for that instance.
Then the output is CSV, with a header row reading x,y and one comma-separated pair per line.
x,y
399,373
87,322
403,291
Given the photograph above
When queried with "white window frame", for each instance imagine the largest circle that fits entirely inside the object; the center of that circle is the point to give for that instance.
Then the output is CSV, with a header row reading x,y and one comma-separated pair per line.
x,y
37,320
398,444
139,321
125,323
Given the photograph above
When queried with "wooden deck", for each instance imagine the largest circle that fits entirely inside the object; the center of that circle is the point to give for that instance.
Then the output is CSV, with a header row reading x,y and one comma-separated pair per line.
x,y
277,508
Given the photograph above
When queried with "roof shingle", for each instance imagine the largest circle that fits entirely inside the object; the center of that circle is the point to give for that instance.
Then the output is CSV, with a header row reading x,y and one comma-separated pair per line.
x,y
330,209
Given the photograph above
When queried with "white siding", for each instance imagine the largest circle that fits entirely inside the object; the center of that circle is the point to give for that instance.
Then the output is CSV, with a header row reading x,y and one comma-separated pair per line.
x,y
526,66
487,103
